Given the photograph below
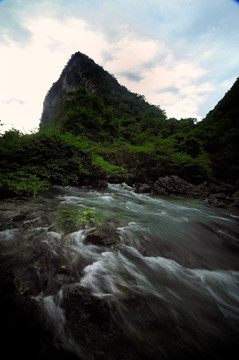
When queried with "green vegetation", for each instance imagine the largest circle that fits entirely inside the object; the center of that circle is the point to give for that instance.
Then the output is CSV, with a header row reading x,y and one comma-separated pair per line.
x,y
219,133
70,220
116,132
31,163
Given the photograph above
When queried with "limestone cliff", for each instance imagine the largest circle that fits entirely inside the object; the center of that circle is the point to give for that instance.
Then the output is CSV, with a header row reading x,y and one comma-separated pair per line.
x,y
83,71
78,72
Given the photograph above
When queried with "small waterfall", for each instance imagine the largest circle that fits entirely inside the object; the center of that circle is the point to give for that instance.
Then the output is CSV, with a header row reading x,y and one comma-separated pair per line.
x,y
52,305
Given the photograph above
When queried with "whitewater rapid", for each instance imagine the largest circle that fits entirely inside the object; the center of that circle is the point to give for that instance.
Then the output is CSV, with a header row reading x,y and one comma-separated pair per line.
x,y
173,282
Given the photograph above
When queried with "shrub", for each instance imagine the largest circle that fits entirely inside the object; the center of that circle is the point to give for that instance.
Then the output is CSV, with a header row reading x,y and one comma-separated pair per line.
x,y
20,183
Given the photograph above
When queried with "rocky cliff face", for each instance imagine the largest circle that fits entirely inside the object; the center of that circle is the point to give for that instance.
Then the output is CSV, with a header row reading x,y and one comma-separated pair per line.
x,y
75,74
83,71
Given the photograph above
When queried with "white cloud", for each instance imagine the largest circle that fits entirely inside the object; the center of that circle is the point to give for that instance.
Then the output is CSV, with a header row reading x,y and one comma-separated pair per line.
x,y
180,54
160,71
131,53
28,72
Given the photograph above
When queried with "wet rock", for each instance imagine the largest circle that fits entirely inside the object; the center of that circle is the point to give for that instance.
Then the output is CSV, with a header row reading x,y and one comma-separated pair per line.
x,y
20,217
100,184
173,185
26,331
219,200
65,277
80,306
216,195
92,325
127,178
29,224
86,314
143,188
235,198
105,235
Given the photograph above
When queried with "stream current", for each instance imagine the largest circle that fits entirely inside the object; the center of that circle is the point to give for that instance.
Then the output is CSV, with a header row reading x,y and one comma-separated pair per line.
x,y
172,284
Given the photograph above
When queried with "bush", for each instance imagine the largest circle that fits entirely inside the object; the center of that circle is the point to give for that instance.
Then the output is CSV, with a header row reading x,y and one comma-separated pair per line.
x,y
21,183
30,163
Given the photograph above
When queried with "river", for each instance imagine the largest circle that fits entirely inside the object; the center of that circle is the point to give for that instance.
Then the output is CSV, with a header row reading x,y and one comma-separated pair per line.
x,y
169,289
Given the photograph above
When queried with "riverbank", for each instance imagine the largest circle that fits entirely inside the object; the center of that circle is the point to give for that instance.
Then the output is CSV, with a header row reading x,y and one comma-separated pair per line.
x,y
221,196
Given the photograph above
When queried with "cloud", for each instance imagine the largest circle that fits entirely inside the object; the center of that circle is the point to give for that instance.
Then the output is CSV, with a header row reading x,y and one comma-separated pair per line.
x,y
10,101
131,52
181,54
177,86
12,22
28,72
131,76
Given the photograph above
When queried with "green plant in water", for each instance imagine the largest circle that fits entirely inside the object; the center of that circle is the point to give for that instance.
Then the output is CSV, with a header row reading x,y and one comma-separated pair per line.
x,y
88,217
70,220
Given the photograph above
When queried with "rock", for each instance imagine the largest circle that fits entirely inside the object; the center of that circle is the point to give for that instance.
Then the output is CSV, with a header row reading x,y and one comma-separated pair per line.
x,y
173,185
100,184
212,200
235,198
127,178
216,195
221,196
65,276
25,324
219,200
105,235
143,188
90,323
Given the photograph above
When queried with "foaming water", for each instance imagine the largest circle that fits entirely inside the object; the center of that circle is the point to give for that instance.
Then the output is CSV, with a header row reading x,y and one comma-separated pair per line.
x,y
152,293
52,305
177,268
172,283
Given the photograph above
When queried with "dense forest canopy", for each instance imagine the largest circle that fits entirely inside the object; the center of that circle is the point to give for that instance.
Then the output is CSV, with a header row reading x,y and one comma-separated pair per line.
x,y
98,129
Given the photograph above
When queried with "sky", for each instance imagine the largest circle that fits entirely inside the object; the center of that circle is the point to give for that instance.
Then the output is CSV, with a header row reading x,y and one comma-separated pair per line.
x,y
182,55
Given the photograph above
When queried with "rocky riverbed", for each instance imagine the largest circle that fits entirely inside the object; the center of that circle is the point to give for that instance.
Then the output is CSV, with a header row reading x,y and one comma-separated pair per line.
x,y
222,196
110,274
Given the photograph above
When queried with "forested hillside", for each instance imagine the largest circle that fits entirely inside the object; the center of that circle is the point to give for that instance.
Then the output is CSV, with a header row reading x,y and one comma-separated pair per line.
x,y
219,133
94,128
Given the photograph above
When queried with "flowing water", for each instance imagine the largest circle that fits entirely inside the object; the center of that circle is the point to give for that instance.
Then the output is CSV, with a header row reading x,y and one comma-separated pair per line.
x,y
172,284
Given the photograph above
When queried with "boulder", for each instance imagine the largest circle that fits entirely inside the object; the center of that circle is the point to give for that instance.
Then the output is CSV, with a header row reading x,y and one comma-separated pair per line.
x,y
127,178
100,184
105,235
217,200
143,188
173,185
218,196
91,324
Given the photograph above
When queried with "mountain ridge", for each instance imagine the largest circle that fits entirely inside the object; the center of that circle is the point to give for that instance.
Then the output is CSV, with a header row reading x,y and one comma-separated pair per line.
x,y
82,71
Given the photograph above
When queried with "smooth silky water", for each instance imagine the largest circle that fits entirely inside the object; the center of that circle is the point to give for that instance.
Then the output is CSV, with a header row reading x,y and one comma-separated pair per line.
x,y
174,280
